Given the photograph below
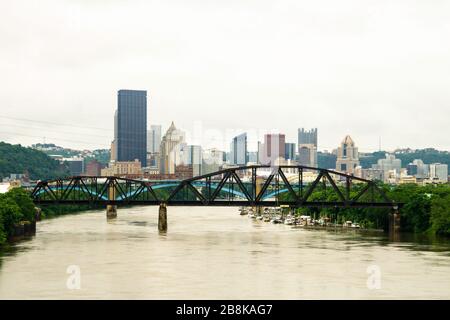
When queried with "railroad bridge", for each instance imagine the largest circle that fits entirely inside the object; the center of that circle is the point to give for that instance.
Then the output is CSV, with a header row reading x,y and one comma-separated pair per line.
x,y
255,186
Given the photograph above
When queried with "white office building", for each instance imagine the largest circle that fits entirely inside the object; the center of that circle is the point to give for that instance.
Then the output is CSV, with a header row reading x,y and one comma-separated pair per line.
x,y
390,166
439,172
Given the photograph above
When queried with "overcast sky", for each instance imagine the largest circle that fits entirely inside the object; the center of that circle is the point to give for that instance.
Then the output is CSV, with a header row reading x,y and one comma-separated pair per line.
x,y
370,69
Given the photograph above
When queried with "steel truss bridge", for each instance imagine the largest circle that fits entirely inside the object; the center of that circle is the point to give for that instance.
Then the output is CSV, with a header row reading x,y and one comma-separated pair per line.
x,y
295,186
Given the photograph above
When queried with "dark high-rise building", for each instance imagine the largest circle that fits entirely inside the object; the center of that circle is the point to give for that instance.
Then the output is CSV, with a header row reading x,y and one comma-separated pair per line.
x,y
307,136
289,153
412,169
131,126
238,150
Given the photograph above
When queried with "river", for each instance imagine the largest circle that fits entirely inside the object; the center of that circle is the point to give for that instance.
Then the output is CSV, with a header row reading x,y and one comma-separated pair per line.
x,y
214,253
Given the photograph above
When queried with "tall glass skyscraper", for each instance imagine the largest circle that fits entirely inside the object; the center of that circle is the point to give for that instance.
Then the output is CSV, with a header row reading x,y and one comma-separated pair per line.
x,y
131,126
289,153
238,150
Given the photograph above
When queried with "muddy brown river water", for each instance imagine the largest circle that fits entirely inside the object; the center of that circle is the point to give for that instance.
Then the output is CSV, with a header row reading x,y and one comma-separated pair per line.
x,y
214,253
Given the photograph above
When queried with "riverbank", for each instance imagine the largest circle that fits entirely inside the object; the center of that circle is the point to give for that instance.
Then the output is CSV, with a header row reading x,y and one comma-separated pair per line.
x,y
23,230
426,209
340,228
286,216
54,211
18,214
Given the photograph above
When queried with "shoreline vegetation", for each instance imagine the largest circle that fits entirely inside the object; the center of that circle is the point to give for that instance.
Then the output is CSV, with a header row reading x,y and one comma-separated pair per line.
x,y
426,211
18,214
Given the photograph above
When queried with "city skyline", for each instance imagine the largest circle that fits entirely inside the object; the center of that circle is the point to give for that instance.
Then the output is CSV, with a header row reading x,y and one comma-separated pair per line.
x,y
222,145
375,73
227,152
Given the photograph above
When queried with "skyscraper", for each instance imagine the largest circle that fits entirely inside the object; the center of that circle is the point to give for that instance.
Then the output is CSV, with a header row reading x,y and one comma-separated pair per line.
x,y
192,156
131,126
153,144
212,160
307,147
273,148
439,172
418,169
154,139
238,150
171,146
307,155
307,136
390,167
347,156
289,153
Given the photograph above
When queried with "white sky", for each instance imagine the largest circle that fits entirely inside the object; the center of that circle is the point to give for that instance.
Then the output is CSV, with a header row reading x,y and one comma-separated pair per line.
x,y
359,67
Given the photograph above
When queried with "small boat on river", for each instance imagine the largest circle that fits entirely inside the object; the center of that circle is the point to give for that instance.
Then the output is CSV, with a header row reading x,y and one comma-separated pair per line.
x,y
243,211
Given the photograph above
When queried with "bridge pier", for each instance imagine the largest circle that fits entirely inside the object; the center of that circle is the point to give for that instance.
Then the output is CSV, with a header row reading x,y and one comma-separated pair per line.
x,y
394,224
111,211
258,186
162,218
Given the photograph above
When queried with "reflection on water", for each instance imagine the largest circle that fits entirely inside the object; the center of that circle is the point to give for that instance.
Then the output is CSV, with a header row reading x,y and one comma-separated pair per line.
x,y
213,253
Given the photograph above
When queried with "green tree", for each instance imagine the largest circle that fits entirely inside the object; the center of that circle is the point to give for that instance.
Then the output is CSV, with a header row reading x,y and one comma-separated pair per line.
x,y
2,231
10,214
23,200
415,214
440,215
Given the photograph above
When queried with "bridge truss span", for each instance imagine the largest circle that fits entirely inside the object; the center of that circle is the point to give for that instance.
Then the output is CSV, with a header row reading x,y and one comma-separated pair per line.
x,y
295,186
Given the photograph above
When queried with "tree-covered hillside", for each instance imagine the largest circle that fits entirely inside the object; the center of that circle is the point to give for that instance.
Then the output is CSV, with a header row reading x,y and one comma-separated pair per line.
x,y
101,155
328,160
407,156
38,165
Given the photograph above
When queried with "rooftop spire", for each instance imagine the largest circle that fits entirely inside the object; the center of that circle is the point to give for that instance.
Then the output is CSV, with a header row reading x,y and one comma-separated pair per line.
x,y
348,140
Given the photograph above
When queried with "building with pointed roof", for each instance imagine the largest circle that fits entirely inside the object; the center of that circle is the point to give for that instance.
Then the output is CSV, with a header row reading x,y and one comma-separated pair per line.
x,y
347,156
170,150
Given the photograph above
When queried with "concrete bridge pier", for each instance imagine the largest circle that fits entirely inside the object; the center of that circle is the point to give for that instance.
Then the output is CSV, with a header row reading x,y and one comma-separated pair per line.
x,y
111,210
258,184
162,218
394,224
